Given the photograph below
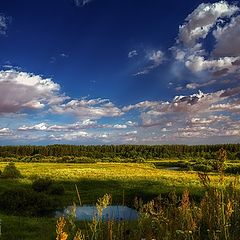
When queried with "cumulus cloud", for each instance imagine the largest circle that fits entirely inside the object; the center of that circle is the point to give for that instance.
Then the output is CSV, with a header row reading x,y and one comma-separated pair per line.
x,y
200,63
199,115
37,127
131,123
85,124
198,24
60,128
208,120
23,90
186,104
141,105
72,136
219,21
196,132
195,116
203,129
227,39
229,107
5,132
120,126
107,137
93,108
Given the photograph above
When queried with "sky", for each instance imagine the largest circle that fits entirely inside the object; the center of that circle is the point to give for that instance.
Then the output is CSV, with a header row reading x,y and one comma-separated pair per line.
x,y
119,72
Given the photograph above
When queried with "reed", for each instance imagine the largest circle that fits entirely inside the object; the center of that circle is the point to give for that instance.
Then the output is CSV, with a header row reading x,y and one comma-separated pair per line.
x,y
216,217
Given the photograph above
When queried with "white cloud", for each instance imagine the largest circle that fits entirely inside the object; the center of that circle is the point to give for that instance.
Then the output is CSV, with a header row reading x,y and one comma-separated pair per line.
x,y
232,132
37,127
75,135
5,132
132,53
142,72
169,124
88,109
22,90
144,104
198,85
232,107
205,129
107,137
199,63
227,39
154,59
120,126
197,132
198,24
209,120
72,136
131,123
189,117
180,103
219,21
187,109
87,123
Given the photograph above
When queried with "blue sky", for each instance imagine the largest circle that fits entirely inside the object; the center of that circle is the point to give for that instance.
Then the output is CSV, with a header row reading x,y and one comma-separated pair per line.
x,y
119,72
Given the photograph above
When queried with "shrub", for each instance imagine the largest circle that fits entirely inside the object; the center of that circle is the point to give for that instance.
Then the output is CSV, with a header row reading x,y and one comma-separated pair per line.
x,y
56,189
10,171
42,184
233,169
140,160
25,201
202,167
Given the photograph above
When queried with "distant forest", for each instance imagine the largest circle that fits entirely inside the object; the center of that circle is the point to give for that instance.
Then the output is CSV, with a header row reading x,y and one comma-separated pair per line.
x,y
121,151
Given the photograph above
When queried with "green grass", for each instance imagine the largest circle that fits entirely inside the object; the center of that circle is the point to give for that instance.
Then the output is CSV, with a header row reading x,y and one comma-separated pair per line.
x,y
123,181
27,228
94,180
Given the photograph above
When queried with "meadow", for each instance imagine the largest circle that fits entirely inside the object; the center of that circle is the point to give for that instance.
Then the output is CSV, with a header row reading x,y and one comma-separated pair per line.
x,y
123,181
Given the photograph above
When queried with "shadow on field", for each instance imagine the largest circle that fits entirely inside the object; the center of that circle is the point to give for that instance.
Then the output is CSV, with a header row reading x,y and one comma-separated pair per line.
x,y
12,183
122,192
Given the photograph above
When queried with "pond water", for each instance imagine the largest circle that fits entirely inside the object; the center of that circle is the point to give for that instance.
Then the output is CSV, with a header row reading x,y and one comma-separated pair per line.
x,y
173,168
115,212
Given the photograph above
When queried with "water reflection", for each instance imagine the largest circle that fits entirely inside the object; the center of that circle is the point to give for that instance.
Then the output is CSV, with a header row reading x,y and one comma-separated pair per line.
x,y
115,212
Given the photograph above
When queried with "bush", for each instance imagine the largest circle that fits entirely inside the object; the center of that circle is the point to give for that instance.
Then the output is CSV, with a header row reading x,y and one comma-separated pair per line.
x,y
233,169
202,167
56,189
24,201
42,184
47,185
10,171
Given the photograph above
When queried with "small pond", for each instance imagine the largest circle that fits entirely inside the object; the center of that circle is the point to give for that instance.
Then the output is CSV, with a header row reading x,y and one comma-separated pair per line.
x,y
114,212
172,168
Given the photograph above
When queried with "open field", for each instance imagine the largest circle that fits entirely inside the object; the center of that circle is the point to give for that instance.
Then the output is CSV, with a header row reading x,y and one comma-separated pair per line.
x,y
94,180
124,181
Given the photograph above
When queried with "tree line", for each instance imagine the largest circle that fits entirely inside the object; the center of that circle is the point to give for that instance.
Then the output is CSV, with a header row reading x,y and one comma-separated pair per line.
x,y
123,151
